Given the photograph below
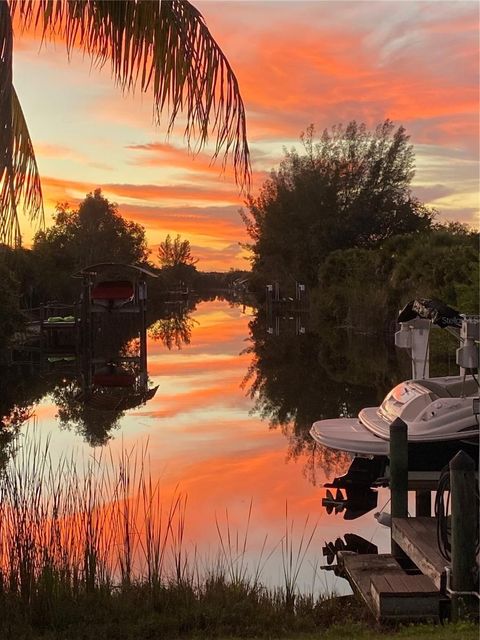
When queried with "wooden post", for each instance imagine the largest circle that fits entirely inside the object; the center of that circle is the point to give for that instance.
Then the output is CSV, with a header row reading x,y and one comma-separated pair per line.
x,y
86,335
276,286
398,474
464,530
268,297
142,300
423,503
42,334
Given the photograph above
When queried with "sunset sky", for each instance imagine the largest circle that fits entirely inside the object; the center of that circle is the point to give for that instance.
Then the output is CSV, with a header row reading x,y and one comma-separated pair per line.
x,y
297,63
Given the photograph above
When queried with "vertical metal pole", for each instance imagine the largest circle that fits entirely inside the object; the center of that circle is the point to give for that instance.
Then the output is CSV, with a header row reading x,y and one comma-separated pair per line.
x,y
464,529
398,474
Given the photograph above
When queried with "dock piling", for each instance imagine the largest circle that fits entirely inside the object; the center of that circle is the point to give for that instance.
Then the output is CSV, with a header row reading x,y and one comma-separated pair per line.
x,y
464,533
423,503
398,474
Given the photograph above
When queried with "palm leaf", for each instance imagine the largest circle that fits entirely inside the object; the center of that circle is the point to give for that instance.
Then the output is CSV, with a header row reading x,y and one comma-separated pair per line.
x,y
160,45
8,216
19,178
20,182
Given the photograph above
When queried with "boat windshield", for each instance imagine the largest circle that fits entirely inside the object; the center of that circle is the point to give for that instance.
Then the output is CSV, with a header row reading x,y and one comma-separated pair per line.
x,y
398,397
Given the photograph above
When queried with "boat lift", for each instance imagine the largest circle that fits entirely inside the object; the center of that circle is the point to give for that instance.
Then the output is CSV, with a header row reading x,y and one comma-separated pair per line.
x,y
416,320
113,288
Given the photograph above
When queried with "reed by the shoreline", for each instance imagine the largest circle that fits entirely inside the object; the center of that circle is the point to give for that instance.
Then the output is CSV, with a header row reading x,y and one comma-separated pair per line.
x,y
95,543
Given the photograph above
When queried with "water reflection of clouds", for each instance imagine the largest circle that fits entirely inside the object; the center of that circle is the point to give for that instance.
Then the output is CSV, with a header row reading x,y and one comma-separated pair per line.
x,y
191,366
202,442
194,400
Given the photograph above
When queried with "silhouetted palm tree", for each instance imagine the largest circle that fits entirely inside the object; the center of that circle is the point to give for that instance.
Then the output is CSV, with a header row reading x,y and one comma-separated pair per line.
x,y
160,45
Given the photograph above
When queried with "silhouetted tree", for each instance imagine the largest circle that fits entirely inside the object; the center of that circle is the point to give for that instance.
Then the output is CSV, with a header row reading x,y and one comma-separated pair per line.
x,y
172,253
11,318
365,288
94,232
177,261
442,264
350,188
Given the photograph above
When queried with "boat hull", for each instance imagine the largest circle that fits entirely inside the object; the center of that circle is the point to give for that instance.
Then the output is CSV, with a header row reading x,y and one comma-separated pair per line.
x,y
351,436
348,434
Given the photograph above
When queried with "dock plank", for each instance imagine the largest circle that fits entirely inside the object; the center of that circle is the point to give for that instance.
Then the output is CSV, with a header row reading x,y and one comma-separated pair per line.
x,y
387,590
405,597
418,539
409,585
359,569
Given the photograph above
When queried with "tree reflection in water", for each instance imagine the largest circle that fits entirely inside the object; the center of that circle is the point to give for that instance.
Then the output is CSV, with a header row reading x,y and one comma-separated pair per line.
x,y
94,402
20,389
322,373
85,404
74,412
175,329
91,409
9,429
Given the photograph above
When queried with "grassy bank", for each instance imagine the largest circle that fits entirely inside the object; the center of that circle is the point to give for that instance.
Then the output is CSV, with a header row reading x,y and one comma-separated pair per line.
x,y
349,631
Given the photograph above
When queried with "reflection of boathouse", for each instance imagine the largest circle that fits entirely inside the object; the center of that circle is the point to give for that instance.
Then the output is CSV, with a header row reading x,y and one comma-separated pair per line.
x,y
92,339
113,379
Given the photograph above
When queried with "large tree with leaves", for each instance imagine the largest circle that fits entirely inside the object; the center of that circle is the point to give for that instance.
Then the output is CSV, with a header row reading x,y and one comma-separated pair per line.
x,y
162,46
95,232
350,188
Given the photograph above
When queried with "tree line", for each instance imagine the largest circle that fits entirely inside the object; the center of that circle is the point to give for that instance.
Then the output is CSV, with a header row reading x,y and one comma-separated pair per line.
x,y
91,233
341,217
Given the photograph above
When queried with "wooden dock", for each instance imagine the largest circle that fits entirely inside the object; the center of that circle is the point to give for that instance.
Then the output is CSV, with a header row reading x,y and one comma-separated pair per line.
x,y
417,582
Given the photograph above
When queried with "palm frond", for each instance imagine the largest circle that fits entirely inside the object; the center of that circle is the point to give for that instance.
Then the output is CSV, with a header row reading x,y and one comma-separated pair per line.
x,y
27,180
20,181
8,214
162,45
19,178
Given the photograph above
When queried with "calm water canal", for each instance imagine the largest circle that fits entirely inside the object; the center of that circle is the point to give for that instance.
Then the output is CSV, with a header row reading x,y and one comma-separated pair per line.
x,y
207,441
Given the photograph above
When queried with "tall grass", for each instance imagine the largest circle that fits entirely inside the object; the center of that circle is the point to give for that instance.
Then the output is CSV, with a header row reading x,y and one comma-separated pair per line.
x,y
293,557
91,542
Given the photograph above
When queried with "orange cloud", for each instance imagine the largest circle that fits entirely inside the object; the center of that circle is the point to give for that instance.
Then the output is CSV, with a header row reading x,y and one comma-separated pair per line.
x,y
163,154
324,68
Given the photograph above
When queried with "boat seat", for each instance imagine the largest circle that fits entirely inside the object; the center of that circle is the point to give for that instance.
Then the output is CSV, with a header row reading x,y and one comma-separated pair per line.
x,y
458,388
451,388
115,290
436,388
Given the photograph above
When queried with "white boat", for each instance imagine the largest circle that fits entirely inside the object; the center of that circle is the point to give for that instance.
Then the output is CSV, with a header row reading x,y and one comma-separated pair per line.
x,y
436,410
